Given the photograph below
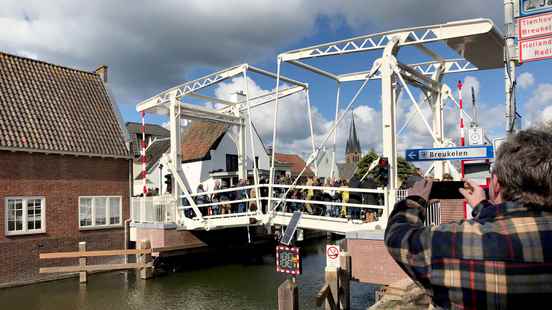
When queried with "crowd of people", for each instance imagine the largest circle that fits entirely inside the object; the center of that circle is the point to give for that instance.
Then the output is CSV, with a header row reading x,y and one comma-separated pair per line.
x,y
325,201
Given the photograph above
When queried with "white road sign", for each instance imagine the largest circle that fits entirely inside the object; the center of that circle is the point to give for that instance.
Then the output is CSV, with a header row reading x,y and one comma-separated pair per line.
x,y
475,136
535,26
332,256
535,49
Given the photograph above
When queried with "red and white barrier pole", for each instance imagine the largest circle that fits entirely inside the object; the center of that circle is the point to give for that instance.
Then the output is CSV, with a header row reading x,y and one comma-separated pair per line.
x,y
462,136
143,153
461,103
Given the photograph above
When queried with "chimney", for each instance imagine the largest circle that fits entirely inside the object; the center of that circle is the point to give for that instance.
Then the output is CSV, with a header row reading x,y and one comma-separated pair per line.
x,y
102,72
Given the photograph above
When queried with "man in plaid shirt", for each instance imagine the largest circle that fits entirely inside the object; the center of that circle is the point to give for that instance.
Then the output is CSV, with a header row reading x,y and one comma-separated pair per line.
x,y
500,259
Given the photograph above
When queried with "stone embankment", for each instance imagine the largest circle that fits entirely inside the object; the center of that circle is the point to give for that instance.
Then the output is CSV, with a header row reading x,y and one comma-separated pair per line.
x,y
404,295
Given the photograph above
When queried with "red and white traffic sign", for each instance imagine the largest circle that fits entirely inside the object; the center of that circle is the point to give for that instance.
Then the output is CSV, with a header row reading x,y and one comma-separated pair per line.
x,y
534,26
332,256
535,49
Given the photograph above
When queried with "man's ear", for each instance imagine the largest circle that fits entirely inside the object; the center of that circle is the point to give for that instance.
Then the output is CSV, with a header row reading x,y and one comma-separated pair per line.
x,y
496,185
496,188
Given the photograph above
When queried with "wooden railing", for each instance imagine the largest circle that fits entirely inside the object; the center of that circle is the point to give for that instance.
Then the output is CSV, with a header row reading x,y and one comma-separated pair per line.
x,y
144,261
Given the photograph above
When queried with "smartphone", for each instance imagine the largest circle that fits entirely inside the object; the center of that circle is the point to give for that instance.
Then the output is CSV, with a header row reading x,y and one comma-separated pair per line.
x,y
446,190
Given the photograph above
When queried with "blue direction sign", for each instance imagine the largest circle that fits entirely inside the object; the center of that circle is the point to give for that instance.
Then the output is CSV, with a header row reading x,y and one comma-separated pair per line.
x,y
450,153
532,7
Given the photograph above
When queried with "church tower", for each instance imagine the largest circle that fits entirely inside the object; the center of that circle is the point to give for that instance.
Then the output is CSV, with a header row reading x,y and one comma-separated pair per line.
x,y
353,152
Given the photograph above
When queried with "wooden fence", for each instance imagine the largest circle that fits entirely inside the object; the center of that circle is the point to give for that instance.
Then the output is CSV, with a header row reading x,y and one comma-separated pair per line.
x,y
143,254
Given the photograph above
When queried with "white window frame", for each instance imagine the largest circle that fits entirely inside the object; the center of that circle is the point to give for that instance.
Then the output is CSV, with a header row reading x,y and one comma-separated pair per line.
x,y
107,213
26,231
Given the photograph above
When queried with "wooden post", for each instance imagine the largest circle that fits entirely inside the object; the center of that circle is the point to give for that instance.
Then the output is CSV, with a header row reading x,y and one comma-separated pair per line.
x,y
332,282
146,272
82,263
288,296
344,281
325,295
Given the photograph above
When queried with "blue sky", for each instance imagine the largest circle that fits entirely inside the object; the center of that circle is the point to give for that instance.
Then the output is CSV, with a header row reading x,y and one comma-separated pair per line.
x,y
150,47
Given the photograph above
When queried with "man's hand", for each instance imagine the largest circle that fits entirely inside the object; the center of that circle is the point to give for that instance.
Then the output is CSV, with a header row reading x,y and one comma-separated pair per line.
x,y
421,188
473,193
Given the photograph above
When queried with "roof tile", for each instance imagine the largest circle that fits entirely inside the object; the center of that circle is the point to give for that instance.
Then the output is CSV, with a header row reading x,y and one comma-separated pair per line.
x,y
45,107
297,163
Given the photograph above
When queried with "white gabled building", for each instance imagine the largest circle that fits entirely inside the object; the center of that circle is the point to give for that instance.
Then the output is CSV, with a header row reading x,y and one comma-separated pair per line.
x,y
209,153
324,165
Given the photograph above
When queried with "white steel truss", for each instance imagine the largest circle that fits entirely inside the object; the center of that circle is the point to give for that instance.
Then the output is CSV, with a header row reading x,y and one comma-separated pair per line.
x,y
234,114
480,33
477,41
163,98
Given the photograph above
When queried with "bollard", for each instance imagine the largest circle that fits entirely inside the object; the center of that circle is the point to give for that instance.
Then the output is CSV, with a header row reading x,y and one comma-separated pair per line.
x,y
345,281
288,296
332,282
146,272
82,263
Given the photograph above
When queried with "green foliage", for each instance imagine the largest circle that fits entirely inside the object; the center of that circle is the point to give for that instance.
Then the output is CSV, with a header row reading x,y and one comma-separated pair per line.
x,y
405,169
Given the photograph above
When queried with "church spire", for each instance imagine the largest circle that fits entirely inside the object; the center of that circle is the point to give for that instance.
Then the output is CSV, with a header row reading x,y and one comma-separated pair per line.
x,y
352,150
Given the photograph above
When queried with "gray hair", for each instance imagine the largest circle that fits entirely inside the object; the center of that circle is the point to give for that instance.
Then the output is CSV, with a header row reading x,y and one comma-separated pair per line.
x,y
524,167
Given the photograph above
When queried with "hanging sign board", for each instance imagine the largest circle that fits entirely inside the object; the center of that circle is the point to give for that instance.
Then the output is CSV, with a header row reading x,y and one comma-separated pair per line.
x,y
532,7
535,49
288,260
534,26
332,256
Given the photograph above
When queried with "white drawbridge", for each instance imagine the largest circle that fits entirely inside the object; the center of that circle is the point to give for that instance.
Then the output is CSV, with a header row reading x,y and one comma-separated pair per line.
x,y
478,44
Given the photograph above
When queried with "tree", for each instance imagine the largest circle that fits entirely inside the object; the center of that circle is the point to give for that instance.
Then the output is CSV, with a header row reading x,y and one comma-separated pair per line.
x,y
405,169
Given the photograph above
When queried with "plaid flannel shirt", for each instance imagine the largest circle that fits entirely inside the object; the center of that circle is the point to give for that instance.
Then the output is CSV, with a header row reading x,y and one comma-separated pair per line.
x,y
500,259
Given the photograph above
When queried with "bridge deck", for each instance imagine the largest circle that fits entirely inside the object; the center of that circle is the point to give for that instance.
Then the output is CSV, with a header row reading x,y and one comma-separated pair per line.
x,y
366,212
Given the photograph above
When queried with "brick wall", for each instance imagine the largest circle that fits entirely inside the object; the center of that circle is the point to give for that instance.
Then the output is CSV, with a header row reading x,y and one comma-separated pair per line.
x,y
371,263
61,180
160,237
452,210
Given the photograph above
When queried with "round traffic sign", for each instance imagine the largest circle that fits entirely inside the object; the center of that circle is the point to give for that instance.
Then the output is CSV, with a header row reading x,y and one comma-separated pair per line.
x,y
333,252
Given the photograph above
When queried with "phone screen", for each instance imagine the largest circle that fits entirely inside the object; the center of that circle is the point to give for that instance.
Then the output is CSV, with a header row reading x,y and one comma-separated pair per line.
x,y
446,190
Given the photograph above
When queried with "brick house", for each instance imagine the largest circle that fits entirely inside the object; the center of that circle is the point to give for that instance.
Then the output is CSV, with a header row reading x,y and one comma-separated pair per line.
x,y
65,165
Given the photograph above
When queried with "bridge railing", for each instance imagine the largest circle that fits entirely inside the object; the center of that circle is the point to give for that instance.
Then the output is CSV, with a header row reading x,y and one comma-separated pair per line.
x,y
324,202
154,209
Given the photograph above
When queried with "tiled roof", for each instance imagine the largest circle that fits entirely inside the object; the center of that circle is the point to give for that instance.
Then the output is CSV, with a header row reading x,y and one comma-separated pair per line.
x,y
54,109
297,163
152,130
199,138
154,153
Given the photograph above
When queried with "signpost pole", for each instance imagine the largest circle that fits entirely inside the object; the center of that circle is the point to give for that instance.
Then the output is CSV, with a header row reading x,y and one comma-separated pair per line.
x,y
510,66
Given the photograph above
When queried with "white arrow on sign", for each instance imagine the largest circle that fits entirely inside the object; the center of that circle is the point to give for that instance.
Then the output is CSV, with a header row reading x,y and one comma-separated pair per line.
x,y
412,155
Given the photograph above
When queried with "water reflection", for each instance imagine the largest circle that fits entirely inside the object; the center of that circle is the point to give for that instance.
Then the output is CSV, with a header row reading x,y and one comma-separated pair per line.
x,y
226,285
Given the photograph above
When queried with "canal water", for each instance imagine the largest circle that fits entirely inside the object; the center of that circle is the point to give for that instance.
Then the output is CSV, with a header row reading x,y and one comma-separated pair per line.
x,y
227,284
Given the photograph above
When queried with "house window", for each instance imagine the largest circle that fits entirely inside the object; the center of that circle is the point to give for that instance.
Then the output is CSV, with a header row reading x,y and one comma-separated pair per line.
x,y
25,215
99,211
231,162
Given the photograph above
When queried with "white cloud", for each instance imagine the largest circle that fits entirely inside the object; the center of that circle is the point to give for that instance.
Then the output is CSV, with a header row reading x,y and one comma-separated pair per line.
x,y
525,80
547,114
538,108
153,45
469,83
293,128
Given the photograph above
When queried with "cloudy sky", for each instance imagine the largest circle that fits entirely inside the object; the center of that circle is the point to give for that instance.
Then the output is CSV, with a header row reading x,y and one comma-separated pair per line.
x,y
152,45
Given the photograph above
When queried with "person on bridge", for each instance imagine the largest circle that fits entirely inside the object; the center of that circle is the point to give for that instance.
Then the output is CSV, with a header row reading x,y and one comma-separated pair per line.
x,y
502,258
